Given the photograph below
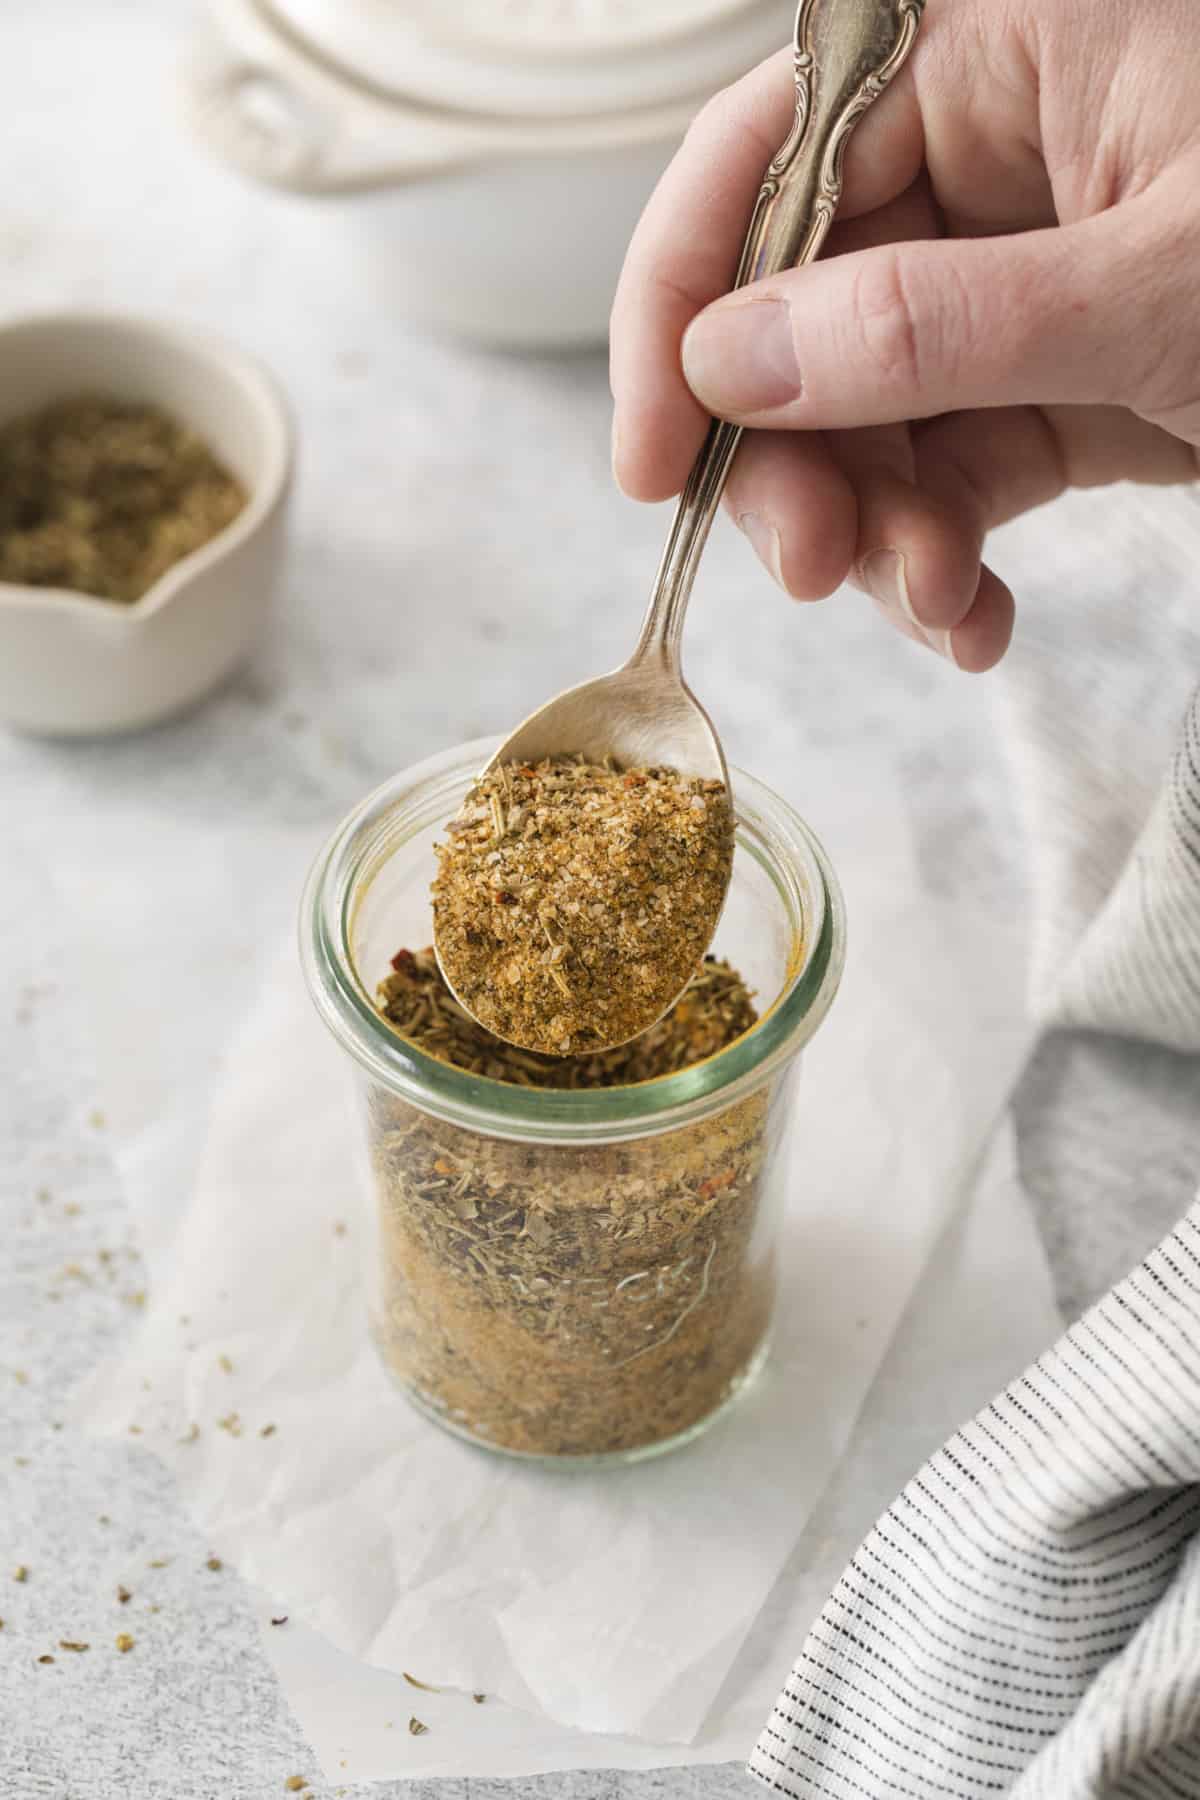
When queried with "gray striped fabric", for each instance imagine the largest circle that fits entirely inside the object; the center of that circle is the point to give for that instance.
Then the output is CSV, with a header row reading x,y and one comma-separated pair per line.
x,y
1025,1619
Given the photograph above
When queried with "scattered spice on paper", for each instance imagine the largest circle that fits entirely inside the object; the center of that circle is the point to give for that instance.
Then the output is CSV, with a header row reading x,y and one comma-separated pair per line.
x,y
124,1642
574,900
417,1726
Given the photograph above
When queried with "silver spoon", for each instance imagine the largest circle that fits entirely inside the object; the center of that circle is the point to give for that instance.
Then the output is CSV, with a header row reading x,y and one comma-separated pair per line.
x,y
644,714
846,53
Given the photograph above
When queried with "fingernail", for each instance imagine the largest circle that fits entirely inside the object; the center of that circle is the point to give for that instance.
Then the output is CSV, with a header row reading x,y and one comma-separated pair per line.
x,y
885,577
884,574
739,357
943,643
616,452
766,543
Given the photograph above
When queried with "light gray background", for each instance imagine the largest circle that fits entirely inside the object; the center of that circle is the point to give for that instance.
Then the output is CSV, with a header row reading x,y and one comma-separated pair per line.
x,y
458,553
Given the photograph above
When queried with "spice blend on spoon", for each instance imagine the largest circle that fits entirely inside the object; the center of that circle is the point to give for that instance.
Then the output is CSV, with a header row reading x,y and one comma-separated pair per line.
x,y
574,900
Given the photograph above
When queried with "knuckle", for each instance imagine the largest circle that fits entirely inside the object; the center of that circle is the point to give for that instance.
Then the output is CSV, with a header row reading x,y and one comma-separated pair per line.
x,y
913,319
884,322
712,121
1160,371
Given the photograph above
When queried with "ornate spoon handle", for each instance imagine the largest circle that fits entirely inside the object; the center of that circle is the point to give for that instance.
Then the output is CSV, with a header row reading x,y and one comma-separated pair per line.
x,y
846,53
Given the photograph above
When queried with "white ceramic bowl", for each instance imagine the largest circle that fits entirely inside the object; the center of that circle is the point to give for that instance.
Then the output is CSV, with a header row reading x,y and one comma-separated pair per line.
x,y
71,664
484,188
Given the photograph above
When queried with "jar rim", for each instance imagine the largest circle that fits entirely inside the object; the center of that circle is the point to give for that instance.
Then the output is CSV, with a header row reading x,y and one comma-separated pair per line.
x,y
768,829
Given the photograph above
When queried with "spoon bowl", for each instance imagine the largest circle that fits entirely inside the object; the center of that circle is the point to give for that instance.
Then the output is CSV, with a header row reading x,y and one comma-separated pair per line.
x,y
641,715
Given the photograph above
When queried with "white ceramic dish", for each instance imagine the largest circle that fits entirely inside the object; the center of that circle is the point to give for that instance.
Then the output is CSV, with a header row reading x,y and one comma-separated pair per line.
x,y
71,664
485,163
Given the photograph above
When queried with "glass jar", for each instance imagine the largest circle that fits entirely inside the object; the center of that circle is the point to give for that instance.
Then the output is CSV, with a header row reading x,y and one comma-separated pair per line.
x,y
564,1274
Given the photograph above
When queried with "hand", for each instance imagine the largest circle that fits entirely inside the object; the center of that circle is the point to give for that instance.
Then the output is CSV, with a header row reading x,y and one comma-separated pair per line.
x,y
1008,307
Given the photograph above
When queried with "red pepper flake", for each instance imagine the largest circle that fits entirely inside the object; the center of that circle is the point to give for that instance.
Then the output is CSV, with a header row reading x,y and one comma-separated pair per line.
x,y
502,897
442,1167
404,962
634,779
715,1184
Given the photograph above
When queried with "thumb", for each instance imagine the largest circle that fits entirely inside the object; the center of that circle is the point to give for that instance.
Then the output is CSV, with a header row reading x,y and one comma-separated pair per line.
x,y
910,330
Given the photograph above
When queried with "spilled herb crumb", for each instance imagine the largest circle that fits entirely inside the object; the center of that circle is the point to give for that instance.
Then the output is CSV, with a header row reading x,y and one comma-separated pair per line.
x,y
214,1563
425,1686
417,1727
573,901
124,1642
295,1784
72,1644
20,1573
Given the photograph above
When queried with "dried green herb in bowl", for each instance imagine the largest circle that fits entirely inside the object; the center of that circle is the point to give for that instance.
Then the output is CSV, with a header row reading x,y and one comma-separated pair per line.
x,y
574,900
102,496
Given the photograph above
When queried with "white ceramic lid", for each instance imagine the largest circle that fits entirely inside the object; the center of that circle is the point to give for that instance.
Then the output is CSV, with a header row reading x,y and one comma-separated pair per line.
x,y
538,59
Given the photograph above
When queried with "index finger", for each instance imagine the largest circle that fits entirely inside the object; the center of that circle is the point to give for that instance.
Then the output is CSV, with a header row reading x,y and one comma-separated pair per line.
x,y
685,252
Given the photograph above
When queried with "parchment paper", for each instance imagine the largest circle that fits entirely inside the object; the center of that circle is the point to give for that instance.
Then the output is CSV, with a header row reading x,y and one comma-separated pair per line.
x,y
607,1603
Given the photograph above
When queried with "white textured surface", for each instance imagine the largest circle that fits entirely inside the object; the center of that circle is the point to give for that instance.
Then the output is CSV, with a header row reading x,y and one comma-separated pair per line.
x,y
458,553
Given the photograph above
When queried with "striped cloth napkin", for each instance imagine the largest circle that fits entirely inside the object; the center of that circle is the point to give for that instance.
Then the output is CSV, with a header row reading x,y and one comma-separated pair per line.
x,y
1025,1618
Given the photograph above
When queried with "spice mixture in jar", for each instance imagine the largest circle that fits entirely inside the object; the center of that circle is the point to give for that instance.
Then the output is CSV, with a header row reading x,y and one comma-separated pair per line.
x,y
562,1300
102,496
574,900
